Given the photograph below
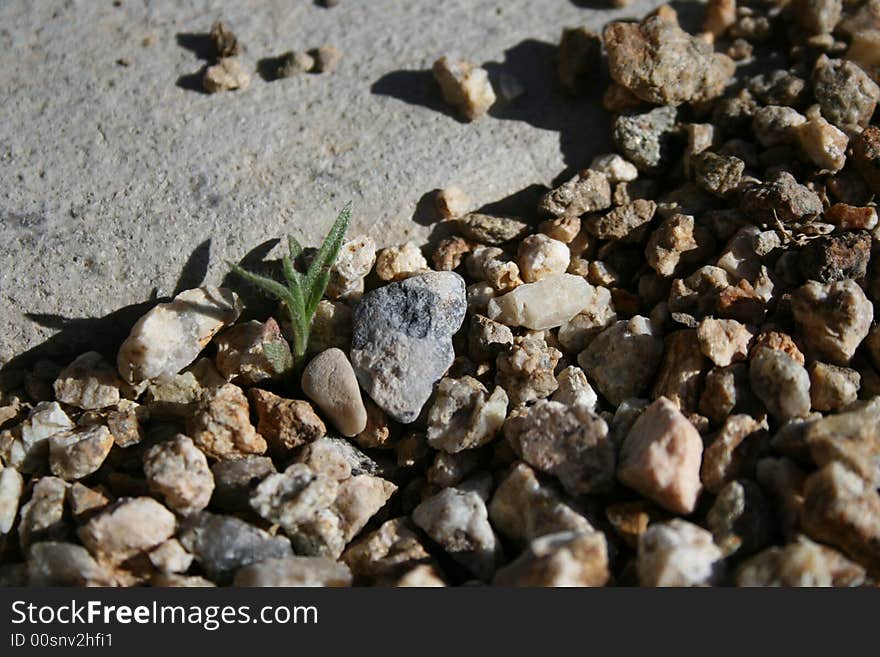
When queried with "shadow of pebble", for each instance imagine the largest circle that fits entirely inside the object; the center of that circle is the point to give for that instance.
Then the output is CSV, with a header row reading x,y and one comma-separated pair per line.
x,y
198,43
414,88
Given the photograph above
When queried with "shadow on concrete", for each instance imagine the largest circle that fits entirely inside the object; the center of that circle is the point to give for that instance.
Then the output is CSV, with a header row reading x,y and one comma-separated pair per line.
x,y
193,81
582,123
267,68
426,210
593,4
76,335
257,303
521,203
198,43
414,88
195,270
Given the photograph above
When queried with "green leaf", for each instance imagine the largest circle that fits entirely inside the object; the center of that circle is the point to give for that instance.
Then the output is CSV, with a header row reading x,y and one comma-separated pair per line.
x,y
267,284
294,248
303,292
318,274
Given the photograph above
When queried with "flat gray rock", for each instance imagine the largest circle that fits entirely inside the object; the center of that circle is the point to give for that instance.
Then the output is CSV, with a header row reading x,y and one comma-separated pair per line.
x,y
402,340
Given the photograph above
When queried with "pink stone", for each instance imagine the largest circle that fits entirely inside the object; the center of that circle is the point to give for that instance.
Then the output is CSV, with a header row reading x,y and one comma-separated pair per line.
x,y
661,457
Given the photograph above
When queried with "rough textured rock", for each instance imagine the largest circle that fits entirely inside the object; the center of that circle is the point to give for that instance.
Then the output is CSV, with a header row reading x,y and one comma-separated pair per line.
x,y
127,528
523,508
224,544
800,563
42,516
780,197
89,382
851,438
170,557
718,174
329,380
285,423
741,519
491,229
396,263
464,415
354,262
294,571
574,389
388,553
64,564
44,420
402,340
464,86
11,488
836,257
545,304
842,510
661,63
833,319
221,425
178,471
570,443
832,387
724,341
234,480
84,502
492,265
580,330
847,95
319,513
562,559
680,376
822,143
671,240
724,454
677,553
486,338
540,256
588,191
171,335
645,139
78,453
866,156
660,457
126,422
226,75
781,383
623,359
457,520
623,221
244,357
526,369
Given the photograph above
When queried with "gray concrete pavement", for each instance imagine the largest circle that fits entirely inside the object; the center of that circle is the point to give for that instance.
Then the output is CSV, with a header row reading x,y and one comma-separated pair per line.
x,y
120,183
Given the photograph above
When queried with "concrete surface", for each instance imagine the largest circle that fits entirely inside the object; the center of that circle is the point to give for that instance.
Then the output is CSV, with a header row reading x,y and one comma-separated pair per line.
x,y
120,184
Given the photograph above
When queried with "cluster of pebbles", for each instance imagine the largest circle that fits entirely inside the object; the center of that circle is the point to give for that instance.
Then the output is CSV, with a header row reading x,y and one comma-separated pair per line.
x,y
665,374
226,72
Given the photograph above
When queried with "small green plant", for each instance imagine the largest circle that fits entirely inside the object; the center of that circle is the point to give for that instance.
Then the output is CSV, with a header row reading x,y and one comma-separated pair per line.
x,y
303,291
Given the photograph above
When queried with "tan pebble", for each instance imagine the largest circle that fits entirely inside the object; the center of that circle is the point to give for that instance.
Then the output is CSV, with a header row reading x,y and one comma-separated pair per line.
x,y
330,382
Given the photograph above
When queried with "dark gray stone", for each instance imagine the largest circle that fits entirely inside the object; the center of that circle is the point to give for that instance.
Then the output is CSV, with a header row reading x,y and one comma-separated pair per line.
x,y
402,340
234,480
644,139
223,544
